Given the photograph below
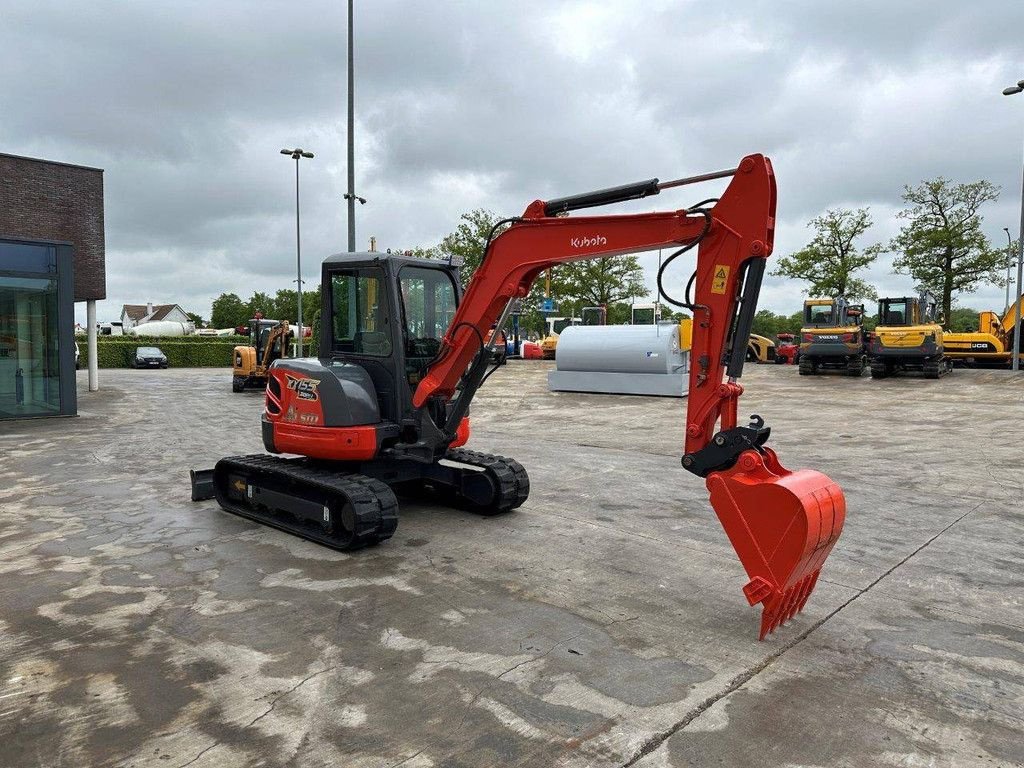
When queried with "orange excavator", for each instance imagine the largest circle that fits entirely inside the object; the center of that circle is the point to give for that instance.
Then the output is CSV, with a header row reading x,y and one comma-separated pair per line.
x,y
384,407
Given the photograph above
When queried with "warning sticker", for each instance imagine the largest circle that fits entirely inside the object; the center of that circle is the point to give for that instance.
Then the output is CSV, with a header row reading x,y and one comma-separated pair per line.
x,y
720,279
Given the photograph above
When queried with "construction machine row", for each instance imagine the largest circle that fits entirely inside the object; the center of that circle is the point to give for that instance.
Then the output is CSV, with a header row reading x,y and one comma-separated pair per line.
x,y
908,338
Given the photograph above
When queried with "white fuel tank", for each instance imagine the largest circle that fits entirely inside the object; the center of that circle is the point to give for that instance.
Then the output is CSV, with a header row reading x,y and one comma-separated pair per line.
x,y
622,359
162,328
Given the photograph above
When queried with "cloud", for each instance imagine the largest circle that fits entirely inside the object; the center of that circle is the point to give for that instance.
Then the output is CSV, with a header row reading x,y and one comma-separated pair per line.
x,y
464,105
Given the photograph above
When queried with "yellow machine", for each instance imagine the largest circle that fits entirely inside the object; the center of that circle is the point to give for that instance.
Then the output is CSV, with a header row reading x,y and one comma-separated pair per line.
x,y
556,325
268,342
832,337
991,344
908,338
760,349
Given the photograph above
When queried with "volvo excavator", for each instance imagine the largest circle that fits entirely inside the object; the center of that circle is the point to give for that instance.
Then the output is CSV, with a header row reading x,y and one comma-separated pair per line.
x,y
833,337
908,337
384,408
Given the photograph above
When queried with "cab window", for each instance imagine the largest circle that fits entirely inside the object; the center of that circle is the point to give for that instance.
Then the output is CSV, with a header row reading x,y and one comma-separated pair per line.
x,y
428,302
359,312
818,313
895,313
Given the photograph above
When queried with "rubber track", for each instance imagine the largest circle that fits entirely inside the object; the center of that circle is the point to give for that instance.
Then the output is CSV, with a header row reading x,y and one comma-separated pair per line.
x,y
513,482
806,366
878,370
934,369
374,503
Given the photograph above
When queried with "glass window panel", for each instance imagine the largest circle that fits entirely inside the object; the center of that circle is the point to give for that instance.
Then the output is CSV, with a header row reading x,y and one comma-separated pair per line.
x,y
29,355
428,299
27,257
359,307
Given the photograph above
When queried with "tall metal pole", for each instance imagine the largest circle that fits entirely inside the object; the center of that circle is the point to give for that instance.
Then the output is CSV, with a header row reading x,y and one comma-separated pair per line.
x,y
1020,268
351,197
1018,321
296,154
1009,263
298,259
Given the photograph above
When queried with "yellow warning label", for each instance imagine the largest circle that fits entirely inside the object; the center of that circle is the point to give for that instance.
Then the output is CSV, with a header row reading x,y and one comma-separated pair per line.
x,y
720,279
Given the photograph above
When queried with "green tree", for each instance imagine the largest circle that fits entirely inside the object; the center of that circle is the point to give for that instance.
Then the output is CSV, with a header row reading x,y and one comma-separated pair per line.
x,y
228,311
830,261
468,241
197,320
285,305
594,282
311,307
963,319
767,323
942,246
262,303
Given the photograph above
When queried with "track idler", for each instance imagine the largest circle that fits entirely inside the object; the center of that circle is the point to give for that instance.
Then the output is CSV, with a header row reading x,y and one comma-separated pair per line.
x,y
782,525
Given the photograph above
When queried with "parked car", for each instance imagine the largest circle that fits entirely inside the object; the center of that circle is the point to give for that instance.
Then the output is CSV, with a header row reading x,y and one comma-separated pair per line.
x,y
149,357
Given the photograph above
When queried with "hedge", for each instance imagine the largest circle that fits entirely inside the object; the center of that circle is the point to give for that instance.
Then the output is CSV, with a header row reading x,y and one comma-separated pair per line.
x,y
181,351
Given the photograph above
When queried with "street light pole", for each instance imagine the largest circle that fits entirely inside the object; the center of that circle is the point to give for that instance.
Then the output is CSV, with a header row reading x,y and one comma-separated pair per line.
x,y
295,154
1009,263
1018,320
351,196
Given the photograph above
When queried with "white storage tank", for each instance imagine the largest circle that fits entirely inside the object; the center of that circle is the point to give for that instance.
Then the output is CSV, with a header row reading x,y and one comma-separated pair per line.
x,y
163,328
623,359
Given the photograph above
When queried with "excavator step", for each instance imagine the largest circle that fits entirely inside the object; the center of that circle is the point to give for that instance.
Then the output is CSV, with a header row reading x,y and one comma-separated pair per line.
x,y
342,511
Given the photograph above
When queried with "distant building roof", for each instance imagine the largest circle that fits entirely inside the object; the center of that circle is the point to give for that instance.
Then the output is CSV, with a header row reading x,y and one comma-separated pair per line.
x,y
139,312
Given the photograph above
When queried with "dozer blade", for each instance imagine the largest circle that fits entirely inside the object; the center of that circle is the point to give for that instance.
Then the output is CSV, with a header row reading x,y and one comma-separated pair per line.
x,y
782,525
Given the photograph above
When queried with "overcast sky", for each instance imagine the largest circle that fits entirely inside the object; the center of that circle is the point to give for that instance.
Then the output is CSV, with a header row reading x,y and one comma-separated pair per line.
x,y
493,104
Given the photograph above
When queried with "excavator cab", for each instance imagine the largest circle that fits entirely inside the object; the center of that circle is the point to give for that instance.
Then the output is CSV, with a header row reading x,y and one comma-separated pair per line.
x,y
388,315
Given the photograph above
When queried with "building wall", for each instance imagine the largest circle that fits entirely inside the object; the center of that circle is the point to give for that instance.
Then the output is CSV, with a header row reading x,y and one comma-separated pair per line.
x,y
44,200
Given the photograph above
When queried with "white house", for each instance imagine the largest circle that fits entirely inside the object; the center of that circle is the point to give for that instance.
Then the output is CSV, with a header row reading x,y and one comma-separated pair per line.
x,y
137,314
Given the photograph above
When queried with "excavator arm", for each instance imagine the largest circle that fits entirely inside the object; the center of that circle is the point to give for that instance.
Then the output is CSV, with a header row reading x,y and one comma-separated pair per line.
x,y
271,350
782,524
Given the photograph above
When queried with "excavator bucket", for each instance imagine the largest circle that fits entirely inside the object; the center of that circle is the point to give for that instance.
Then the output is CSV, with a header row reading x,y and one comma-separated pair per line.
x,y
782,525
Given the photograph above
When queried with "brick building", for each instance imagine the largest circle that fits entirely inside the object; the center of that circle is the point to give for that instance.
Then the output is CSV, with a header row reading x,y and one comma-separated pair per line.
x,y
51,255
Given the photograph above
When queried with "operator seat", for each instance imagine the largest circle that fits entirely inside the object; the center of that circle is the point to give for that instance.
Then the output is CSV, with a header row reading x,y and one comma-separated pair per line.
x,y
372,343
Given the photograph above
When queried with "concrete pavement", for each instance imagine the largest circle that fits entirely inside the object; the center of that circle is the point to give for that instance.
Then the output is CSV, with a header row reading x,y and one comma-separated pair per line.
x,y
600,625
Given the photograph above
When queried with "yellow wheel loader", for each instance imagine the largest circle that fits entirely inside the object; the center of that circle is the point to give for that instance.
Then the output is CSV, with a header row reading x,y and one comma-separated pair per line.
x,y
268,341
760,349
908,337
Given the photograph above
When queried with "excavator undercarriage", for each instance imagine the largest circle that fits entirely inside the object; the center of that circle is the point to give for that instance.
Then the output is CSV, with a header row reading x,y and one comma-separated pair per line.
x,y
383,411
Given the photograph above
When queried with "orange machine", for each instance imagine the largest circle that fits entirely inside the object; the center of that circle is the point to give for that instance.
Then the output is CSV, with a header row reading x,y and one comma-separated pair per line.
x,y
386,404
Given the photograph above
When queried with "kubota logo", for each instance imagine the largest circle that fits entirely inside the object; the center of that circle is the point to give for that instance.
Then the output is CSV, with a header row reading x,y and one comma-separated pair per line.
x,y
588,242
305,389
